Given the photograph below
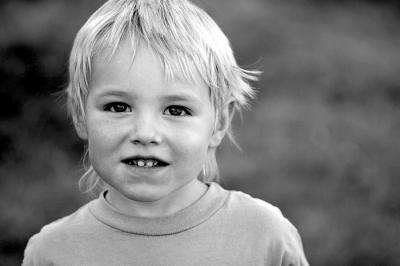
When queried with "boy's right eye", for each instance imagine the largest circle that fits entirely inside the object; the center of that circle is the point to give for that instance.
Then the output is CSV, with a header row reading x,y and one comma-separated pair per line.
x,y
117,107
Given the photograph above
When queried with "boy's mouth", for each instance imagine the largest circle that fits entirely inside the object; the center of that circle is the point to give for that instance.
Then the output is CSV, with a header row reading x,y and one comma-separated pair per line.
x,y
145,162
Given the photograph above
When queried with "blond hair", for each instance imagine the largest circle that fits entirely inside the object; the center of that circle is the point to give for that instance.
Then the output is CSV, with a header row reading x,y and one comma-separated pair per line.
x,y
185,39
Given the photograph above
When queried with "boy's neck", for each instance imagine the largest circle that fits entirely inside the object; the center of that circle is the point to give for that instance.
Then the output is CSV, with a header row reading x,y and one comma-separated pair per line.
x,y
172,203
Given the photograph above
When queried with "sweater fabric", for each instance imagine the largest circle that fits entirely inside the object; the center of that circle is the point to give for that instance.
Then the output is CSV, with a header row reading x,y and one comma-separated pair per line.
x,y
221,228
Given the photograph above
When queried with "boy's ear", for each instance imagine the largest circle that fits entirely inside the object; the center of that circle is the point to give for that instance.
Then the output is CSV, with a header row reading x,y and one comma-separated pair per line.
x,y
222,125
80,128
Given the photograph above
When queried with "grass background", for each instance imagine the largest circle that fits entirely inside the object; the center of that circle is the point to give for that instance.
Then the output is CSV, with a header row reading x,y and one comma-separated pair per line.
x,y
321,141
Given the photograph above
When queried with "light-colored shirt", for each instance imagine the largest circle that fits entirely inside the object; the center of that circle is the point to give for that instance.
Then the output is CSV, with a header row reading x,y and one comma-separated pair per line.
x,y
221,228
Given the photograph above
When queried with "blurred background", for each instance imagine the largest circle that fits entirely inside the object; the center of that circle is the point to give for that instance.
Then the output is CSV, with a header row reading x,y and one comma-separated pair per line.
x,y
321,141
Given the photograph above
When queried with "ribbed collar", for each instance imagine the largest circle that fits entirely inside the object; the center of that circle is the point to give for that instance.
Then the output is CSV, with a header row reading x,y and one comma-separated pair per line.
x,y
185,219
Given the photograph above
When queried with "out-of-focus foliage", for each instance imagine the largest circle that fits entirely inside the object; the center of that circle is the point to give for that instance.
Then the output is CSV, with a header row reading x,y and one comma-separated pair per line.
x,y
321,140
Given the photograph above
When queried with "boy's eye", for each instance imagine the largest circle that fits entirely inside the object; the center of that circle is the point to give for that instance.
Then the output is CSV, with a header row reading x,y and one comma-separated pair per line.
x,y
176,110
117,107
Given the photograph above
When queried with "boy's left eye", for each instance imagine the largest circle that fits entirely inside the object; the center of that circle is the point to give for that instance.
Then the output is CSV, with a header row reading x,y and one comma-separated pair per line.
x,y
117,107
176,110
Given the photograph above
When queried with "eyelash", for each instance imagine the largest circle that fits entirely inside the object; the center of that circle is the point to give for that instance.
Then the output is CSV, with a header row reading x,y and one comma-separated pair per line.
x,y
109,107
181,108
123,107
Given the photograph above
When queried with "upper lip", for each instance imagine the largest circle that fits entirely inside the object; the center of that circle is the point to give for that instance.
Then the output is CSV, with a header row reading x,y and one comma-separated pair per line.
x,y
144,157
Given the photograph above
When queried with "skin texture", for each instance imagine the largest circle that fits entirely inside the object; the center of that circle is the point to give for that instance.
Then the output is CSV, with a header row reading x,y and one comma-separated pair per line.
x,y
132,110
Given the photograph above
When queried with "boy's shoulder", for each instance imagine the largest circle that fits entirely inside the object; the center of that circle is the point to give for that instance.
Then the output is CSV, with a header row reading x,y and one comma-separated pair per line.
x,y
57,235
241,202
259,214
65,225
265,224
251,204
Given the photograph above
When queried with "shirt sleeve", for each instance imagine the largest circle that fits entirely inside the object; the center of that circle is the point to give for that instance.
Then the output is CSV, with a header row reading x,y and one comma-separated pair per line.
x,y
32,254
290,247
294,252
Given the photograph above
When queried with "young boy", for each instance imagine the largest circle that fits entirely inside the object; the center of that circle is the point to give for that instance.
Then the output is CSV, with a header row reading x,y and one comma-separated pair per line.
x,y
153,87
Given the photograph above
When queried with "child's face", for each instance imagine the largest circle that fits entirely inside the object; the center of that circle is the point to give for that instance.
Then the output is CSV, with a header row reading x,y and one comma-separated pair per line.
x,y
147,137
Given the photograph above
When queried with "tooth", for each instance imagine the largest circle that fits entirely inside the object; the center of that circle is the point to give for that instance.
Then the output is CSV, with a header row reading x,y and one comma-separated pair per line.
x,y
140,163
149,163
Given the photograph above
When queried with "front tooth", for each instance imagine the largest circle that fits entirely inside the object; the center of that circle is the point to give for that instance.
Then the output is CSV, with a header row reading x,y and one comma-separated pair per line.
x,y
140,163
149,163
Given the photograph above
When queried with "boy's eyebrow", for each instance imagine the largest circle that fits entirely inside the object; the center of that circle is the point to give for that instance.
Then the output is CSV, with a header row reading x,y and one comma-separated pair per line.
x,y
181,97
111,92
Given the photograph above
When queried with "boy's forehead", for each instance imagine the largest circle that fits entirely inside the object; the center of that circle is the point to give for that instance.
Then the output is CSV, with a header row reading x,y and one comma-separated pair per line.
x,y
128,71
173,67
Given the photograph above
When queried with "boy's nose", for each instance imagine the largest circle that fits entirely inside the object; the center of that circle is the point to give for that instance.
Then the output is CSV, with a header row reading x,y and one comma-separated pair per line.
x,y
145,131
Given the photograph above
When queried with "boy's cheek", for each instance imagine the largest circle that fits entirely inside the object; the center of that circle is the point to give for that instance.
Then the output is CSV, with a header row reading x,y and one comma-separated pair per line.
x,y
104,133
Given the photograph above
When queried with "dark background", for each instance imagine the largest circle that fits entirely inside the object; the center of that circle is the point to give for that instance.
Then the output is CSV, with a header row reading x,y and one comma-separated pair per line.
x,y
321,141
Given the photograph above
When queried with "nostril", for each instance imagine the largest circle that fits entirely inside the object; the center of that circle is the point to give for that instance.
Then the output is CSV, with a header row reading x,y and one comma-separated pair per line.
x,y
146,139
145,131
145,142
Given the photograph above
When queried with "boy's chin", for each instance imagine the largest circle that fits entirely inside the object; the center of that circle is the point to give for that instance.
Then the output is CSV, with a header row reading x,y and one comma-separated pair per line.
x,y
144,203
142,193
145,196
